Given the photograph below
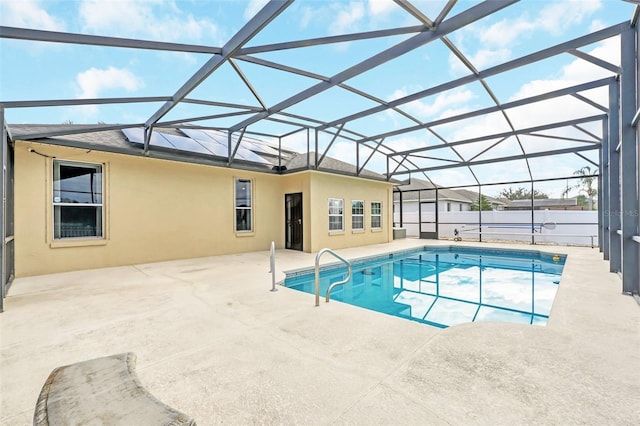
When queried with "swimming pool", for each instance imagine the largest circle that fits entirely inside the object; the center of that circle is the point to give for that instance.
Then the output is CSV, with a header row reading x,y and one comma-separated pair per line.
x,y
446,285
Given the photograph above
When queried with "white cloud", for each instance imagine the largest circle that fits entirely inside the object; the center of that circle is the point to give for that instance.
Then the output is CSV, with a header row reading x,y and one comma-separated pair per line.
x,y
557,17
29,14
253,7
505,32
481,59
430,108
380,7
495,41
596,25
347,18
93,82
577,71
144,19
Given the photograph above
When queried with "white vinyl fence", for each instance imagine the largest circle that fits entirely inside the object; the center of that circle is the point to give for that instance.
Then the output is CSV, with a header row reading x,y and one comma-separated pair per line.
x,y
550,226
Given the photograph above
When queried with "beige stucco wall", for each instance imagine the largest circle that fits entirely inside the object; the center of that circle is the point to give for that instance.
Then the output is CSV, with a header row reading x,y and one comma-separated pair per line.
x,y
327,185
159,210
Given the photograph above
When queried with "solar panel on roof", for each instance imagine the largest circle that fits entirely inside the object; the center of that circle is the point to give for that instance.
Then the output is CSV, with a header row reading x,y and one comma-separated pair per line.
x,y
187,144
216,148
260,148
247,155
136,135
198,141
213,138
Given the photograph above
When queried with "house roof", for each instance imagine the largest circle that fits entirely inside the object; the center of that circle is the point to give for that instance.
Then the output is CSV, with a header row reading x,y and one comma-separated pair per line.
x,y
129,141
424,190
299,161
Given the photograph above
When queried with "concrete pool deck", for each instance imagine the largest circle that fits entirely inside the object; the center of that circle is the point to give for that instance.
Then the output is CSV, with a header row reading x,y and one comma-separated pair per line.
x,y
213,342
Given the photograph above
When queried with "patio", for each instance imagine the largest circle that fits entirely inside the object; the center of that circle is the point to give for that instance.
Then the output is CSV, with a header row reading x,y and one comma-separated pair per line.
x,y
215,343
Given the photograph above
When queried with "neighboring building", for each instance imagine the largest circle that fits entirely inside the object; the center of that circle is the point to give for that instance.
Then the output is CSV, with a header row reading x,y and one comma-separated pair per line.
x,y
96,200
449,200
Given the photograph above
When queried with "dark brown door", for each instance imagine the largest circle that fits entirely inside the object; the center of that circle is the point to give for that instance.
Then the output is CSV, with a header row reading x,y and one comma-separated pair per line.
x,y
293,217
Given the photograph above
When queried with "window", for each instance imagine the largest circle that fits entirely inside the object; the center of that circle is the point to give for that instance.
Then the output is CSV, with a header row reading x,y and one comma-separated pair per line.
x,y
336,207
460,206
77,200
357,214
376,215
243,206
448,207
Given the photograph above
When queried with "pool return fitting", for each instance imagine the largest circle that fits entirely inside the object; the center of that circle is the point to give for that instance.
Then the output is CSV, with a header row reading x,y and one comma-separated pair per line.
x,y
317,269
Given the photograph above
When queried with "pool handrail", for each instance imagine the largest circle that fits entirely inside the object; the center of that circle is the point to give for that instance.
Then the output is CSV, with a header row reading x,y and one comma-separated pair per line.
x,y
317,272
272,263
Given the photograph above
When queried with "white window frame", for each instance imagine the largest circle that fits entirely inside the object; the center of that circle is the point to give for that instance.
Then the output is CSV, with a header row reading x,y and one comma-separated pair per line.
x,y
56,163
248,208
336,212
357,215
376,215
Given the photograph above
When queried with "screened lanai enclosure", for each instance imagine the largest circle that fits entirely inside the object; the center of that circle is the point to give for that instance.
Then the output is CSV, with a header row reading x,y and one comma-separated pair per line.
x,y
485,127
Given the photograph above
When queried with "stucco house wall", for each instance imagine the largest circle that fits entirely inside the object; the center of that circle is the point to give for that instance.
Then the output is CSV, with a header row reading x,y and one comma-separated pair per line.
x,y
327,185
156,210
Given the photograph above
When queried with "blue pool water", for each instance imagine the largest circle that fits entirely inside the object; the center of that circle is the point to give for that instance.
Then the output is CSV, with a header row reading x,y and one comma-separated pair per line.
x,y
445,286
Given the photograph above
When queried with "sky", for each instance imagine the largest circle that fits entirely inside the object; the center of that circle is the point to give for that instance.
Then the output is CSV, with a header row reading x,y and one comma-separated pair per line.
x,y
36,71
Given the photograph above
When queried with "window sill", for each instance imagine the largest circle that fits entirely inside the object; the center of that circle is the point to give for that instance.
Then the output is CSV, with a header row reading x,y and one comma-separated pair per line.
x,y
357,231
376,230
71,242
245,233
331,233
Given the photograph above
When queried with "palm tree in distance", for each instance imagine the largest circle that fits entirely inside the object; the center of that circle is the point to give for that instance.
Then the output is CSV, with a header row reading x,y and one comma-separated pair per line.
x,y
587,181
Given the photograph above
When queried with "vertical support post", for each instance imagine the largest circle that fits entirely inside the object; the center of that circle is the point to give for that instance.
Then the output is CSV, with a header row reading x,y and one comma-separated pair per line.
x,y
357,159
388,170
3,209
315,161
480,212
279,155
604,196
401,212
628,166
308,150
437,215
533,204
419,214
614,177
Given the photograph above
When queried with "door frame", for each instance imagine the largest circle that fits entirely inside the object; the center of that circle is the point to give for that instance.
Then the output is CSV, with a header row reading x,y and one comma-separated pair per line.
x,y
430,235
288,227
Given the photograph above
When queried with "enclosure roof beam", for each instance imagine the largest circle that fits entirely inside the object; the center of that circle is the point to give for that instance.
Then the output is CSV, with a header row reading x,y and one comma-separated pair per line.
x,y
267,14
506,134
464,18
127,100
445,11
332,39
497,108
590,102
93,40
587,159
503,159
498,69
596,61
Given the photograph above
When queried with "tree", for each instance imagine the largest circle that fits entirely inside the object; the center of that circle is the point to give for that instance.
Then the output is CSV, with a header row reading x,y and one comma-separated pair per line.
x,y
521,193
587,180
481,203
582,201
